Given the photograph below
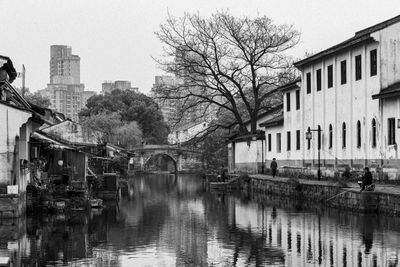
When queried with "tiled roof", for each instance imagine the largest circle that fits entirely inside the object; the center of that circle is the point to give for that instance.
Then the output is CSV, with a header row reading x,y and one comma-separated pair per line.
x,y
390,91
276,121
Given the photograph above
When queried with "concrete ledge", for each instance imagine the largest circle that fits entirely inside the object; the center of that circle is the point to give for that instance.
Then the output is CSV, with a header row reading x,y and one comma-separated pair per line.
x,y
328,193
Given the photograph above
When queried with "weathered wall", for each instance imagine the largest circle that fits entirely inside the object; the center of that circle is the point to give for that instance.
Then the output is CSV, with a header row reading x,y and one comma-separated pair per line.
x,y
11,120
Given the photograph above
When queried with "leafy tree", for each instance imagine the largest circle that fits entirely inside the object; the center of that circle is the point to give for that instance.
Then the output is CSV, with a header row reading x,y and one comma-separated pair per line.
x,y
118,132
35,98
226,64
131,106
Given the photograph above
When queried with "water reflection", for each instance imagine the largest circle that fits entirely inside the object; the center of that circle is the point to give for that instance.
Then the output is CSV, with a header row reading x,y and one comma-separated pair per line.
x,y
173,221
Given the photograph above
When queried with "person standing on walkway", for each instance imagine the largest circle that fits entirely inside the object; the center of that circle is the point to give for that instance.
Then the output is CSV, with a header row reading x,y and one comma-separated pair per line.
x,y
274,167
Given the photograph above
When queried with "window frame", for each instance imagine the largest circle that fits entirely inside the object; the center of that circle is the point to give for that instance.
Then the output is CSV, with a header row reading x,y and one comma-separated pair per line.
x,y
358,67
330,76
297,99
330,136
288,101
343,135
373,62
288,141
391,131
373,125
318,73
343,72
269,142
308,82
278,142
298,138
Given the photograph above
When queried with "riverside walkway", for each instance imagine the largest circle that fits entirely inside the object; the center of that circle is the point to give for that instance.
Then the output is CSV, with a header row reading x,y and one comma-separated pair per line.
x,y
351,186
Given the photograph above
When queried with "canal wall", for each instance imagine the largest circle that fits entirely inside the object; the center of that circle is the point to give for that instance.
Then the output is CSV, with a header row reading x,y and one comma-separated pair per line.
x,y
327,193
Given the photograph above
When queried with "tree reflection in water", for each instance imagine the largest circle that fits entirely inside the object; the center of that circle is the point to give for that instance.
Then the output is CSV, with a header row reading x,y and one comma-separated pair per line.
x,y
174,221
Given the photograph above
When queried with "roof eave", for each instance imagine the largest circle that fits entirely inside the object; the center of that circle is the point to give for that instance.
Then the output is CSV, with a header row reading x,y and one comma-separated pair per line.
x,y
354,41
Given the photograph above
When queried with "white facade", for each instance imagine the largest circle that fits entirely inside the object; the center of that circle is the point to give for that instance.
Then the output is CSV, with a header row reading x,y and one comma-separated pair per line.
x,y
186,133
352,105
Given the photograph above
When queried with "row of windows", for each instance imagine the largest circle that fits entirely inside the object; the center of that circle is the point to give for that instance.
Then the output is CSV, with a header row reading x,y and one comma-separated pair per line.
x,y
297,100
391,136
343,72
288,142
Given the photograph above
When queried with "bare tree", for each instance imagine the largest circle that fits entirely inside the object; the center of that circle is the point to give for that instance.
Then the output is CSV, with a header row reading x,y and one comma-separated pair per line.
x,y
226,65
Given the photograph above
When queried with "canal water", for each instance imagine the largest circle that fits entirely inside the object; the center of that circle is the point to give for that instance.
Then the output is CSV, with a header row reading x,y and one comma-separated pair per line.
x,y
165,220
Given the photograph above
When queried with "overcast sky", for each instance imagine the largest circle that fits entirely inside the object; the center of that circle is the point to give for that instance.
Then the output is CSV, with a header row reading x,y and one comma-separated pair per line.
x,y
115,38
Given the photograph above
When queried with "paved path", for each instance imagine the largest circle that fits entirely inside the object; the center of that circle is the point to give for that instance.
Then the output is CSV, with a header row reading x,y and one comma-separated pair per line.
x,y
381,188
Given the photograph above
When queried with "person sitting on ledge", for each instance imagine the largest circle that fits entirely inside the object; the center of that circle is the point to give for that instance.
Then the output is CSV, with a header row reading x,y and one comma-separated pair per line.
x,y
366,179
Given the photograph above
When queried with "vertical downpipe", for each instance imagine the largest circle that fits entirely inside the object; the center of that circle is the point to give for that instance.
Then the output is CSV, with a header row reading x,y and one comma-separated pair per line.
x,y
366,119
337,123
8,145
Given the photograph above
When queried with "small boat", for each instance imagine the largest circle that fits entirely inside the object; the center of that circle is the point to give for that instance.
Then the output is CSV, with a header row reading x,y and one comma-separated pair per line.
x,y
96,203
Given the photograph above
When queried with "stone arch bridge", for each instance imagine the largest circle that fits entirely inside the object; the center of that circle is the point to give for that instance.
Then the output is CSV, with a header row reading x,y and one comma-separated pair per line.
x,y
184,159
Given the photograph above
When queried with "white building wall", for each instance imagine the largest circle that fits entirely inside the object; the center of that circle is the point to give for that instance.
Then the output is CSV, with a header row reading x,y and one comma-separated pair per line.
x,y
249,155
345,103
13,121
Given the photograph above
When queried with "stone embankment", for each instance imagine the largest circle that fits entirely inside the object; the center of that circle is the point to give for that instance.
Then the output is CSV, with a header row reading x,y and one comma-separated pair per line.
x,y
385,198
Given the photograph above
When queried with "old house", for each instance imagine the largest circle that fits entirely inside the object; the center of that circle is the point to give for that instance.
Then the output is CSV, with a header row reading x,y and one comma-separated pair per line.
x,y
246,153
64,149
16,120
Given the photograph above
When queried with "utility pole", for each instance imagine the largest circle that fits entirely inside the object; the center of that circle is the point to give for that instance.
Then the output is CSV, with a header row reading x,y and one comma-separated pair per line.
x,y
309,137
23,80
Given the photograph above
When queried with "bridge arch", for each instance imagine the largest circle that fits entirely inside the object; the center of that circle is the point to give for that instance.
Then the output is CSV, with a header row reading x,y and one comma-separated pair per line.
x,y
175,161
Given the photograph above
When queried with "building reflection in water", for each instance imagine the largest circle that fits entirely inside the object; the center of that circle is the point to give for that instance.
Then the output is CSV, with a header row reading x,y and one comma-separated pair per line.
x,y
173,221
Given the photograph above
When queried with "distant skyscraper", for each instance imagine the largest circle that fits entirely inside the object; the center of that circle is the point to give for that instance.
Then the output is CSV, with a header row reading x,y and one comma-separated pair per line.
x,y
108,86
168,107
65,91
64,67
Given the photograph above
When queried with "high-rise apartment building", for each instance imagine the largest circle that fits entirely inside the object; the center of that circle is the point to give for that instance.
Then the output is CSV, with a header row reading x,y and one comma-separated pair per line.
x,y
168,107
108,86
65,90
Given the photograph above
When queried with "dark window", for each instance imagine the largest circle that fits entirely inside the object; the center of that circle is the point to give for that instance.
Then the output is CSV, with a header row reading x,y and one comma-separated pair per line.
x,y
343,72
269,142
373,59
373,133
308,140
298,99
287,101
344,135
319,137
330,136
391,131
330,76
358,134
358,67
288,141
308,82
298,139
319,80
278,142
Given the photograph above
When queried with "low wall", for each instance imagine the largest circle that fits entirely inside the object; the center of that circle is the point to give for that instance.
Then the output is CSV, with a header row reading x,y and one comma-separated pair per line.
x,y
329,194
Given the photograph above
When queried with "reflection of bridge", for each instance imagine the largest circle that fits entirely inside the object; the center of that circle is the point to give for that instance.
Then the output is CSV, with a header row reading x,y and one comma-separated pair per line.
x,y
183,158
